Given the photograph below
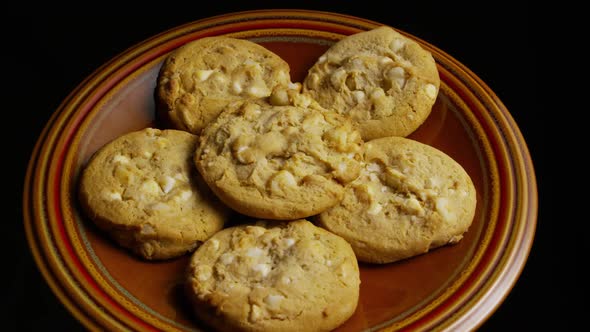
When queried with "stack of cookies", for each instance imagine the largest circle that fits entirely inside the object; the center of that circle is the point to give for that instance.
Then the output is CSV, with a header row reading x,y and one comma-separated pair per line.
x,y
321,170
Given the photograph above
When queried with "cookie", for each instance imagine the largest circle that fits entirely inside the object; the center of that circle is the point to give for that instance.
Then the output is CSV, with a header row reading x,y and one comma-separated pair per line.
x,y
274,276
142,189
386,82
279,162
200,78
409,198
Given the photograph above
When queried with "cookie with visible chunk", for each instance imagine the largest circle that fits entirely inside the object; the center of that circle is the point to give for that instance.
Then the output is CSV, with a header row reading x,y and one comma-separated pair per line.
x,y
200,78
409,198
143,189
279,162
387,83
274,276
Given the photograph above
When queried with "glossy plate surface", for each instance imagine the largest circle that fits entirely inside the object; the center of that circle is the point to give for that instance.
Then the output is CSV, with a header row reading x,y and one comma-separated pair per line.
x,y
450,288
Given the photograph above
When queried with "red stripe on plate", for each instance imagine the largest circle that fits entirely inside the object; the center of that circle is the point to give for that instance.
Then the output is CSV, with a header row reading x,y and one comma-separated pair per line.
x,y
75,124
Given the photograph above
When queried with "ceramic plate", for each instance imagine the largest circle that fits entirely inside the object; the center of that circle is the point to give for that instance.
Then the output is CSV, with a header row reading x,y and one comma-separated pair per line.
x,y
451,288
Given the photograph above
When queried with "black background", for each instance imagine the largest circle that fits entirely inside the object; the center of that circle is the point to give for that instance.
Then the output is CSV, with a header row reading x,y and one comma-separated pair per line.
x,y
45,56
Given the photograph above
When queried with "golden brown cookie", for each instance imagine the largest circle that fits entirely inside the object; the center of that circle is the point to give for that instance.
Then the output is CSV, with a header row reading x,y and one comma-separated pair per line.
x,y
386,82
274,276
200,78
143,189
409,198
279,162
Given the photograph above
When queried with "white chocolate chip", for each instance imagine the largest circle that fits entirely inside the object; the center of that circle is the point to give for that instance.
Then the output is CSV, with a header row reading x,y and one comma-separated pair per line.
x,y
322,58
289,242
302,100
250,62
397,44
337,77
251,111
430,90
215,244
395,173
443,208
358,64
258,91
455,239
273,300
180,176
241,149
243,155
328,262
283,179
283,76
377,94
340,138
120,159
203,75
254,252
371,189
147,229
428,193
343,271
219,78
313,81
374,208
152,132
414,206
256,230
226,258
294,86
255,313
262,268
279,97
184,195
374,178
358,95
167,183
385,60
236,88
374,167
433,182
160,207
397,75
271,142
341,168
150,187
124,175
161,142
113,196
204,273
311,123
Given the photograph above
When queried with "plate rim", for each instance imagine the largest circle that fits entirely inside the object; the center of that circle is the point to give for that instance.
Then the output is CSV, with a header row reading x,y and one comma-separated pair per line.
x,y
33,211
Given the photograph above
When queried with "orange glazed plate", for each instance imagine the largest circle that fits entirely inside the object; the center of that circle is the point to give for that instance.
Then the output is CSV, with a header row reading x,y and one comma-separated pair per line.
x,y
451,288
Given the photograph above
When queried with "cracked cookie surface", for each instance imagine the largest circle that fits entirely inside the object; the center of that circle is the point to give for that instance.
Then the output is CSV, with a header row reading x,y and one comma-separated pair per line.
x,y
274,276
279,162
386,82
409,198
143,189
200,78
